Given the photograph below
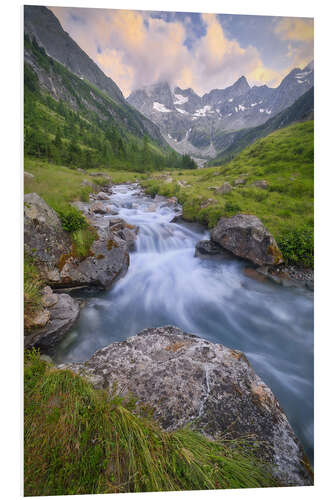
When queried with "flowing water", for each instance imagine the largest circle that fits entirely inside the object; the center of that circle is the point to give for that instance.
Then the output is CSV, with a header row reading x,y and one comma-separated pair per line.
x,y
167,285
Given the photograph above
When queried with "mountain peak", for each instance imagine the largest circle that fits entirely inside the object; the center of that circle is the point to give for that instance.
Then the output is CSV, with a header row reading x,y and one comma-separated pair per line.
x,y
242,81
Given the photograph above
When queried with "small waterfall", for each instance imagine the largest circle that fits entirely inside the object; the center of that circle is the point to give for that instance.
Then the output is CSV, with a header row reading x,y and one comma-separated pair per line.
x,y
166,284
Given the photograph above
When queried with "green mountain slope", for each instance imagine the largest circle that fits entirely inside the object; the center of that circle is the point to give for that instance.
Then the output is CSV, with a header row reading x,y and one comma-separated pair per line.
x,y
234,142
284,159
70,121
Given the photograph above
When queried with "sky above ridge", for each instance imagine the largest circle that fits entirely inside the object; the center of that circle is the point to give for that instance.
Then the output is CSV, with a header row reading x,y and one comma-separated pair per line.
x,y
201,51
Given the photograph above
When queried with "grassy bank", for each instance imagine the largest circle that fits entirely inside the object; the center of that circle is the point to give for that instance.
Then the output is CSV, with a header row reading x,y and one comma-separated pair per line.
x,y
284,160
80,441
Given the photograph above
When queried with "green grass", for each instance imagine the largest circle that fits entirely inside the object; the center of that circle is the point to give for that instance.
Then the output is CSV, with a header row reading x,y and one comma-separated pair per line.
x,y
81,441
59,185
32,291
284,159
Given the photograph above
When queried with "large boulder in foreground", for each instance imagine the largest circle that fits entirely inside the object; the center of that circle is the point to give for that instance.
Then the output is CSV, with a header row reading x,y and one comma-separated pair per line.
x,y
52,250
62,312
247,237
190,380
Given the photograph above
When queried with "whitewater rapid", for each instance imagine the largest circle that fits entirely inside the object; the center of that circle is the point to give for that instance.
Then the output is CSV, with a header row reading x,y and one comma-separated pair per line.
x,y
215,299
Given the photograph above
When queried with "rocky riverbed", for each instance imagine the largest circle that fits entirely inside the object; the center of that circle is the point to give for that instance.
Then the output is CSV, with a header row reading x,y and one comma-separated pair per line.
x,y
166,283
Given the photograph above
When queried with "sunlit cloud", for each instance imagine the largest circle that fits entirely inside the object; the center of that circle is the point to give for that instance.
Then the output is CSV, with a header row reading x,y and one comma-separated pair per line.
x,y
139,48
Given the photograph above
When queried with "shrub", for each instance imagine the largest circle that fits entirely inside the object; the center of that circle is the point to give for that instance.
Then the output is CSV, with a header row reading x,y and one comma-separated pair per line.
x,y
297,246
231,208
71,218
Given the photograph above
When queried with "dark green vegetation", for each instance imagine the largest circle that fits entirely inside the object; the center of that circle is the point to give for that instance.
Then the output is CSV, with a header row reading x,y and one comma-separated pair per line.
x,y
82,441
301,109
284,159
73,123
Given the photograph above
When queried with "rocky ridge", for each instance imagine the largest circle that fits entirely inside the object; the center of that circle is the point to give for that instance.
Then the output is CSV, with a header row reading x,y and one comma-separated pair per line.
x,y
204,126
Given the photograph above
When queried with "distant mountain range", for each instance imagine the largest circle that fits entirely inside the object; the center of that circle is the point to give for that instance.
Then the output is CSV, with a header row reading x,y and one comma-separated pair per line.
x,y
198,125
216,125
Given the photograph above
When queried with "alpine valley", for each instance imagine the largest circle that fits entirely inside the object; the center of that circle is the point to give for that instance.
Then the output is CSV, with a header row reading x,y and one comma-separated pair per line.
x,y
168,267
206,126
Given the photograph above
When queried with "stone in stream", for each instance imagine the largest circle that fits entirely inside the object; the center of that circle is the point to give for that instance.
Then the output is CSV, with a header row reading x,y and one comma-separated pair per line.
x,y
98,208
62,311
247,237
102,196
208,248
189,380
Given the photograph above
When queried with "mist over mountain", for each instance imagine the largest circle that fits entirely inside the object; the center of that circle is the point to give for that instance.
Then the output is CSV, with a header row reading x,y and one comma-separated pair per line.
x,y
197,125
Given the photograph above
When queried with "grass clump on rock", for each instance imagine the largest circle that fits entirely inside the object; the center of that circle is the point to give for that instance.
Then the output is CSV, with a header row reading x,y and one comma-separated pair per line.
x,y
81,441
33,284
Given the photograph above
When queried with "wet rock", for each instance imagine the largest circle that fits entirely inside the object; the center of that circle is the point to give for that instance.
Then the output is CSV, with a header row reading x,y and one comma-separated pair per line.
x,y
98,208
261,184
151,208
188,380
207,248
63,311
224,189
289,276
102,196
247,237
129,236
177,219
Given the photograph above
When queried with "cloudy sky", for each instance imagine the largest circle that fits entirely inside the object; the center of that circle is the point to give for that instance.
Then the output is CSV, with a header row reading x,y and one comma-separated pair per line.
x,y
202,51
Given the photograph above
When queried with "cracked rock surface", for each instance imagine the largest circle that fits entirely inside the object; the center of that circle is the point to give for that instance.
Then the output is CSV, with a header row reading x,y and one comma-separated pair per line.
x,y
188,379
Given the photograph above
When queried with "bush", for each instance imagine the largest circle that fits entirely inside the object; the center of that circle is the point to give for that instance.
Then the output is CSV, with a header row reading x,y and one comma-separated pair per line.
x,y
231,208
297,246
71,218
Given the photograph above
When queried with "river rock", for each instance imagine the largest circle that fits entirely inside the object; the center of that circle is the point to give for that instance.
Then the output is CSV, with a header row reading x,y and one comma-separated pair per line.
x,y
177,219
108,261
102,196
247,237
44,238
189,380
224,189
98,208
62,311
51,248
208,248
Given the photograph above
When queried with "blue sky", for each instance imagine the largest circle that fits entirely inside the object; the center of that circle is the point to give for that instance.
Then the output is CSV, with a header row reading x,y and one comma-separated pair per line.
x,y
202,51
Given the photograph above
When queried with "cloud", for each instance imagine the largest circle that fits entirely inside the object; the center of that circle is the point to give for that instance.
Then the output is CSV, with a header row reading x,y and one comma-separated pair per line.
x,y
295,29
137,48
299,33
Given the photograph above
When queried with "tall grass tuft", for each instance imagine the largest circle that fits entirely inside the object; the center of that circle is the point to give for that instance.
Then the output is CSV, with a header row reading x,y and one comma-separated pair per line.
x,y
81,441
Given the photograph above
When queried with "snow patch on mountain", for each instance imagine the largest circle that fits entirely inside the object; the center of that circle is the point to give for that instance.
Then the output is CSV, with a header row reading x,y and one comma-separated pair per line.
x,y
179,99
161,108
